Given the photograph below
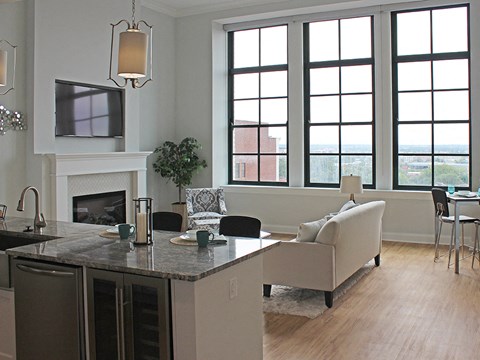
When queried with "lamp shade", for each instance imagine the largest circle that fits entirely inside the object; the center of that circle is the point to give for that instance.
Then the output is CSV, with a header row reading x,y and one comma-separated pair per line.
x,y
132,54
351,184
3,68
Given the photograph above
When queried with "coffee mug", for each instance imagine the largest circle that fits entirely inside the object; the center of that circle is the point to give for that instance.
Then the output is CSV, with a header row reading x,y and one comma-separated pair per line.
x,y
203,237
125,230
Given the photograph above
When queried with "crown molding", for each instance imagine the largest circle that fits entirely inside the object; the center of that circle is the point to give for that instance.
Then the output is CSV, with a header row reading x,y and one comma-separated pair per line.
x,y
159,6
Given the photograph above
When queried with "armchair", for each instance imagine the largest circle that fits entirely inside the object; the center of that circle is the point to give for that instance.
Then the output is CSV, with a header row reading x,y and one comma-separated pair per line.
x,y
205,208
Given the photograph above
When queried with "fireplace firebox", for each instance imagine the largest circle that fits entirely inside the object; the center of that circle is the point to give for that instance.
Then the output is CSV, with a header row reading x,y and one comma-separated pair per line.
x,y
103,208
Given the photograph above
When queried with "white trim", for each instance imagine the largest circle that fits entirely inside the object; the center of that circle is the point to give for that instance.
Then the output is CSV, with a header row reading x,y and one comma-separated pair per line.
x,y
367,195
160,7
83,164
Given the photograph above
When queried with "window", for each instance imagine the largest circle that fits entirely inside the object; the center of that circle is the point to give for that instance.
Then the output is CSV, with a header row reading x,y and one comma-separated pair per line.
x,y
339,101
431,98
258,106
413,136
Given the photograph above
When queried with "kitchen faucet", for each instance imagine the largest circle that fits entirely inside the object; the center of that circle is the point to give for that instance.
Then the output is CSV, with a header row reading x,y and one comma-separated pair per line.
x,y
39,221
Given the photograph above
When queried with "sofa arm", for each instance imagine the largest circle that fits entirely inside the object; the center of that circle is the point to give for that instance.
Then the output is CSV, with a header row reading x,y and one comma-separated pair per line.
x,y
305,265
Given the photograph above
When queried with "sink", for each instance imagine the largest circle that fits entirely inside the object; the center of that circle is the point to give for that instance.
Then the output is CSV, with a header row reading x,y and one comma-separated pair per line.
x,y
10,240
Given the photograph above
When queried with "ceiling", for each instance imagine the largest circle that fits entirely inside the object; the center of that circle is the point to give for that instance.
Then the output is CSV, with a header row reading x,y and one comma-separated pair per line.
x,y
190,7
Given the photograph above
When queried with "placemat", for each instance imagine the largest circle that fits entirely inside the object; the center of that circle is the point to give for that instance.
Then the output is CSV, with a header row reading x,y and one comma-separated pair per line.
x,y
108,235
180,241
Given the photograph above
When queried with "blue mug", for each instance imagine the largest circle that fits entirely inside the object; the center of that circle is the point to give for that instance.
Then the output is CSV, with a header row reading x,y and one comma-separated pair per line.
x,y
203,237
125,230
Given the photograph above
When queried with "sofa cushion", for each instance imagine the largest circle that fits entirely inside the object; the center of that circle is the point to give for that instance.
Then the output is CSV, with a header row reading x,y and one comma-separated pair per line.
x,y
307,232
328,233
347,206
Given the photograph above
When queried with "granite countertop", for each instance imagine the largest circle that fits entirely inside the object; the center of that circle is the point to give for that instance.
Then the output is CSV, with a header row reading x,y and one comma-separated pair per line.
x,y
80,244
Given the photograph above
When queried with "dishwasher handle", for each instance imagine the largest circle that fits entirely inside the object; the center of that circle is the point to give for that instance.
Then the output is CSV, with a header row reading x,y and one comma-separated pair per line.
x,y
54,273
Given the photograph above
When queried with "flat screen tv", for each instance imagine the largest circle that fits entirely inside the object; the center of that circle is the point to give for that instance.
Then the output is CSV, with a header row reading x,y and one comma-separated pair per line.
x,y
85,110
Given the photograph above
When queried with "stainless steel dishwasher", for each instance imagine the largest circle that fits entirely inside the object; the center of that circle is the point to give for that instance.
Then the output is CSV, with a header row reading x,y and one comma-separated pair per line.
x,y
48,311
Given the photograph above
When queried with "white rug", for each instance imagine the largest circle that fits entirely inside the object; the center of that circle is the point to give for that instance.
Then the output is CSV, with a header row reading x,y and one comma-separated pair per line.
x,y
305,302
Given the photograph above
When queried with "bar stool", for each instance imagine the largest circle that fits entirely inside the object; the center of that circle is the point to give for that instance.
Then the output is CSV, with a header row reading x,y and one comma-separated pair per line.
x,y
476,249
442,216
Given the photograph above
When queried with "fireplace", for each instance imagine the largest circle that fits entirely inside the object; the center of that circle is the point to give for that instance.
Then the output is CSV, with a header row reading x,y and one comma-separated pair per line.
x,y
104,208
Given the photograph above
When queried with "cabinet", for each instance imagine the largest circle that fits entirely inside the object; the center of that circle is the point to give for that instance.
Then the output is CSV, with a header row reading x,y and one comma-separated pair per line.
x,y
128,316
7,325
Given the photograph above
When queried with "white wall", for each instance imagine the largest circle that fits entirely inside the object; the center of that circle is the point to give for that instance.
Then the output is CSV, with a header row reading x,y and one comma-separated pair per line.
x,y
408,216
70,40
13,143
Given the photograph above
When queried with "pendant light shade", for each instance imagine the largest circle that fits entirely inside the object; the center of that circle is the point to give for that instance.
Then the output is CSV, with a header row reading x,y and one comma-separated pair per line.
x,y
3,68
134,60
132,54
8,59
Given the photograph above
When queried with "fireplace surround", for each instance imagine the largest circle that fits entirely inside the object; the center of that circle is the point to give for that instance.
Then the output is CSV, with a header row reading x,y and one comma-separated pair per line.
x,y
91,173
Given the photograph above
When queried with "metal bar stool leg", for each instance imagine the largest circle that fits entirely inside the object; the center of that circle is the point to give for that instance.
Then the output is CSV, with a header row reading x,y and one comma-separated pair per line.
x,y
475,245
438,231
450,247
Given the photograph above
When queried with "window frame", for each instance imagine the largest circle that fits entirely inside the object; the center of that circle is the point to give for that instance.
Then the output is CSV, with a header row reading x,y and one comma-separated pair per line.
x,y
306,103
230,110
396,59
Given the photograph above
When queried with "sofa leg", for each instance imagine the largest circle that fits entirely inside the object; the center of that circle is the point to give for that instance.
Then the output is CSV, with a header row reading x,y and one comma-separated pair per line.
x,y
329,298
267,289
377,260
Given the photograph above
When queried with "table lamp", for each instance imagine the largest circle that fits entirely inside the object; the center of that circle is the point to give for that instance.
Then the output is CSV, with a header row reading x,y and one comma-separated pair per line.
x,y
351,184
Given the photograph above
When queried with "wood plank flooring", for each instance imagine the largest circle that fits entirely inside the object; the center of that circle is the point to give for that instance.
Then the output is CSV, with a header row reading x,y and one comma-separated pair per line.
x,y
408,308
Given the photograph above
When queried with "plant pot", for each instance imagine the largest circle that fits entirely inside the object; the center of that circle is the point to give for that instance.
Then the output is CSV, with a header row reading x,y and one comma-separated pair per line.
x,y
181,208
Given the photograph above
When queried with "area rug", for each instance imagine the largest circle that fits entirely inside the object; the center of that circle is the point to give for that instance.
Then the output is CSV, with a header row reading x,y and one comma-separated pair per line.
x,y
305,302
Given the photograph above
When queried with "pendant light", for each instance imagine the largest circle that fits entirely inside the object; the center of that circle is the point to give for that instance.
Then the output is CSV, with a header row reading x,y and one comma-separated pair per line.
x,y
134,53
5,87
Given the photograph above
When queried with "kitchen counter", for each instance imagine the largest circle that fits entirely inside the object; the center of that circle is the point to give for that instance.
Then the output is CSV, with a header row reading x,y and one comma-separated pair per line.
x,y
215,292
81,244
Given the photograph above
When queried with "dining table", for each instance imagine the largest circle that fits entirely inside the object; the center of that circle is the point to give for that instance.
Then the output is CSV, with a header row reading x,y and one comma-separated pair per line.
x,y
457,199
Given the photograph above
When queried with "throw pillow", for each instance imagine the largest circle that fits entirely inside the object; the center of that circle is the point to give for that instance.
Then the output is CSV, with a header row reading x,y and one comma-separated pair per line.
x,y
307,232
347,206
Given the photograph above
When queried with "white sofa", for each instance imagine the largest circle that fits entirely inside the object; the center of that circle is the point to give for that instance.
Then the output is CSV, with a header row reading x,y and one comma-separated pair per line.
x,y
343,245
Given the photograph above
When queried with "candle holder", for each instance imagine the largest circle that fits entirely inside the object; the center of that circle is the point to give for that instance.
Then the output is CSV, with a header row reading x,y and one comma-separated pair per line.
x,y
143,221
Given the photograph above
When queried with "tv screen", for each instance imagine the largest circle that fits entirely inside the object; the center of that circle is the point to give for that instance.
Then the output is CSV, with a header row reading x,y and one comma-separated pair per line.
x,y
88,110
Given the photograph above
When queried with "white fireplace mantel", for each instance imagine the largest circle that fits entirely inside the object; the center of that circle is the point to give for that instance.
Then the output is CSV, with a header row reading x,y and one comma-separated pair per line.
x,y
64,165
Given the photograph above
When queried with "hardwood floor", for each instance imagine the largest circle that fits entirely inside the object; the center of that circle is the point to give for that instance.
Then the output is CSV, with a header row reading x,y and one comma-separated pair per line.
x,y
408,308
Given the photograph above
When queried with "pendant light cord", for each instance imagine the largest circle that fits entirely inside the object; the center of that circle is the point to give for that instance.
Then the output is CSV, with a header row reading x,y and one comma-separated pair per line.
x,y
133,13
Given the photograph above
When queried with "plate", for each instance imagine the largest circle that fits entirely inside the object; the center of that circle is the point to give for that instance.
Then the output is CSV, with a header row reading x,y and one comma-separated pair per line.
x,y
113,231
188,238
466,194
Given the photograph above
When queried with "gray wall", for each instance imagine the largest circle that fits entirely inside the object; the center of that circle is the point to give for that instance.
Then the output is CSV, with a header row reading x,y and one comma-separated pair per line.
x,y
409,215
68,39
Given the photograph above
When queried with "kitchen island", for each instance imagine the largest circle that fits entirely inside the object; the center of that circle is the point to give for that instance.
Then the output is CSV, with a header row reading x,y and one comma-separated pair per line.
x,y
215,292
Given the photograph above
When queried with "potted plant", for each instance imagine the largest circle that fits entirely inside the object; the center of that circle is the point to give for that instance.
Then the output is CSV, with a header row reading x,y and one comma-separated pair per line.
x,y
178,163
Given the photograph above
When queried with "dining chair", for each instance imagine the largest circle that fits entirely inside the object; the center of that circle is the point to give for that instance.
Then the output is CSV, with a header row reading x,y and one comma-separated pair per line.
x,y
167,220
442,216
243,226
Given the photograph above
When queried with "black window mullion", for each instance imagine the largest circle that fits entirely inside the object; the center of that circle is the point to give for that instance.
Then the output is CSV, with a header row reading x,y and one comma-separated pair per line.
x,y
431,57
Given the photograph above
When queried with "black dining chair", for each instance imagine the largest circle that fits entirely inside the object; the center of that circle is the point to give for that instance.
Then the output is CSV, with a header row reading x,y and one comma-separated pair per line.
x,y
166,220
442,216
243,226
